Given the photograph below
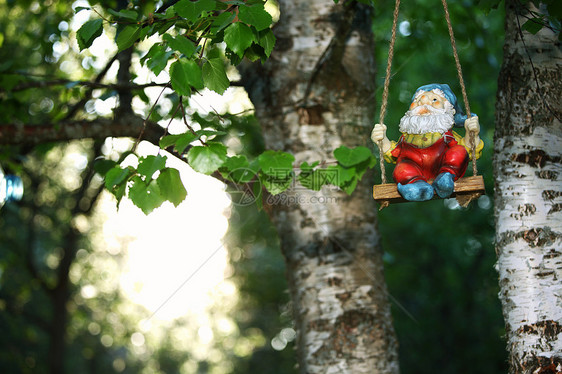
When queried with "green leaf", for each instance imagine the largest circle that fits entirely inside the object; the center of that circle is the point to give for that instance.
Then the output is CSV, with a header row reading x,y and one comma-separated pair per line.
x,y
238,169
221,21
124,13
168,140
255,15
238,37
350,187
214,76
276,163
127,37
170,13
207,159
181,44
275,184
257,192
159,62
208,133
306,167
145,196
181,141
315,179
351,156
309,180
342,175
533,25
116,181
151,164
116,176
267,41
102,166
171,186
185,74
80,8
145,31
347,178
236,162
157,58
153,51
191,10
88,32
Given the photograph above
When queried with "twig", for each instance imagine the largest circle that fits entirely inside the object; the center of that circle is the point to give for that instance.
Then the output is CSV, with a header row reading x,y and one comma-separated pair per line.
x,y
148,118
187,124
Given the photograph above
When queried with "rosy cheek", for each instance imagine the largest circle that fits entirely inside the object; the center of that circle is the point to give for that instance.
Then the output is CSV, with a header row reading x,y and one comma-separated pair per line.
x,y
438,105
413,105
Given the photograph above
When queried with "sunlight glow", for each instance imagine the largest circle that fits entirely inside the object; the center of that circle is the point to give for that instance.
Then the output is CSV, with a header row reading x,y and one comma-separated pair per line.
x,y
173,246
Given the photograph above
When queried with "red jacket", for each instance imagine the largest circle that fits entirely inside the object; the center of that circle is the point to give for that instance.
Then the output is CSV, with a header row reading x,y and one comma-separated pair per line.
x,y
415,163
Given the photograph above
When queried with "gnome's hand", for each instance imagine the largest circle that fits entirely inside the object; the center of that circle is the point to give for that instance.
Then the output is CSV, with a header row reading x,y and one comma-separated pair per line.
x,y
472,126
379,137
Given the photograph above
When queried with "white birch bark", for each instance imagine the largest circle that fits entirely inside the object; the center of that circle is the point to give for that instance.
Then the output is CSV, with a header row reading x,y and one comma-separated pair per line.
x,y
528,171
315,94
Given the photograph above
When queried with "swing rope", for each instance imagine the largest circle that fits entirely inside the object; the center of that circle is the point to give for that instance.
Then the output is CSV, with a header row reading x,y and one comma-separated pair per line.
x,y
461,81
387,84
384,101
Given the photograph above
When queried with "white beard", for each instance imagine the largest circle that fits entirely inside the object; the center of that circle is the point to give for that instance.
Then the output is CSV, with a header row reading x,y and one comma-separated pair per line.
x,y
439,120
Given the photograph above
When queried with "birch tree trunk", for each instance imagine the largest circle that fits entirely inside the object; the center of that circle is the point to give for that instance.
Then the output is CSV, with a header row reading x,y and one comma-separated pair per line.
x,y
528,172
315,94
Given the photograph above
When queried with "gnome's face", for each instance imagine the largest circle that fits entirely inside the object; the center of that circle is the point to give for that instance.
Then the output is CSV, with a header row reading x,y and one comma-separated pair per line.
x,y
430,112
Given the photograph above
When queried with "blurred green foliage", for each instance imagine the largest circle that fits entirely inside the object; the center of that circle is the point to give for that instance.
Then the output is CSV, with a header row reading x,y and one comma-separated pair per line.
x,y
58,292
259,273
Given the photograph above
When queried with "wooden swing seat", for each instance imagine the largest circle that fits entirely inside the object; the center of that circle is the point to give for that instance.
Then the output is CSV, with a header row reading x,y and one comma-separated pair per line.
x,y
469,187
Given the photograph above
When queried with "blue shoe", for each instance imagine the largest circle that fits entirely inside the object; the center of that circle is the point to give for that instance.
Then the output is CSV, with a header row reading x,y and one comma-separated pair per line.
x,y
444,185
417,191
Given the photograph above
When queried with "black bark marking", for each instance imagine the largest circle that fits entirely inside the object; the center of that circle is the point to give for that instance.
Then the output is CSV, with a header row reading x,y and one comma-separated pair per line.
x,y
335,281
535,158
283,44
319,325
346,330
344,296
538,365
549,329
555,208
312,115
524,211
548,174
536,237
551,194
553,253
307,222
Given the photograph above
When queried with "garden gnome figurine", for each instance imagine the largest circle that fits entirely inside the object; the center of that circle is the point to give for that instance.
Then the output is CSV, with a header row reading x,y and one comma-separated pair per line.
x,y
429,156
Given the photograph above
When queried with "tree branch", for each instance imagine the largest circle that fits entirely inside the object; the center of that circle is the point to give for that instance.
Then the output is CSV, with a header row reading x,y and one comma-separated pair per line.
x,y
76,107
60,82
100,128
